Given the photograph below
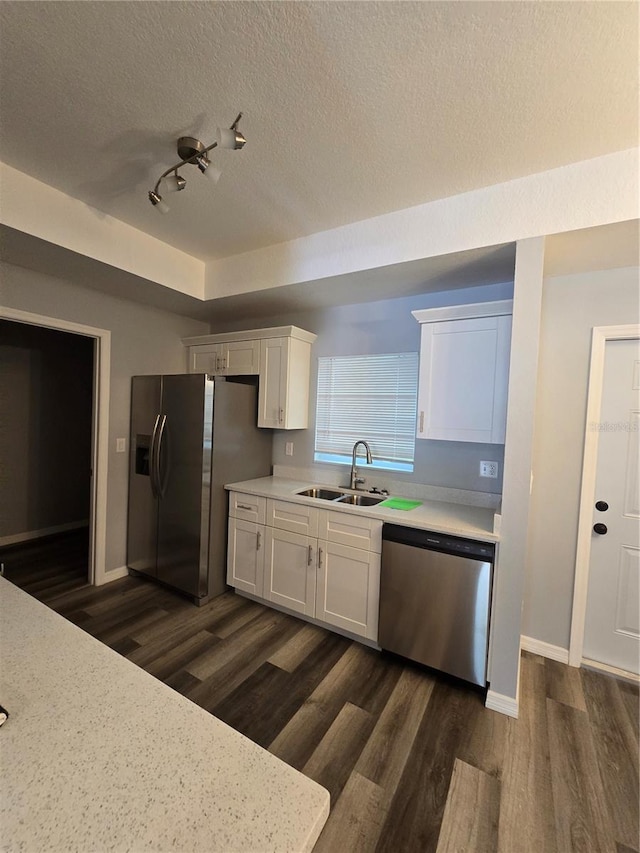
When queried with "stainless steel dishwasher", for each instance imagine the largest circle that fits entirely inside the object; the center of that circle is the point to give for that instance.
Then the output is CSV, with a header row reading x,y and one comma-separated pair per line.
x,y
435,596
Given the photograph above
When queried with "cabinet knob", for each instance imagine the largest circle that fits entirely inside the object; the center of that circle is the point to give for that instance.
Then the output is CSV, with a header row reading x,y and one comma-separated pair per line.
x,y
600,528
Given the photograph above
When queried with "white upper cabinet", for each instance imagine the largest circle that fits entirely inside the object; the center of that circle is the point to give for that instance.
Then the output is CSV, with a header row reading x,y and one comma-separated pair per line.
x,y
279,356
283,395
464,372
230,358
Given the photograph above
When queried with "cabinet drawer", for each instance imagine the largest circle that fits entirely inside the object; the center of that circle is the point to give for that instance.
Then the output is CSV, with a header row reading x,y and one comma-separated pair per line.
x,y
296,518
248,507
345,528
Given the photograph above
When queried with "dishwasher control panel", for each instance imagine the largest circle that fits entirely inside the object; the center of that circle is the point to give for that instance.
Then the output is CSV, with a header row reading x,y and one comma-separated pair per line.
x,y
442,542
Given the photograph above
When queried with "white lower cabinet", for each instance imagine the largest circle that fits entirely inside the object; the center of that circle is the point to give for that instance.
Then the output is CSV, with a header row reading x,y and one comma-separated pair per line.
x,y
290,570
245,556
348,588
323,578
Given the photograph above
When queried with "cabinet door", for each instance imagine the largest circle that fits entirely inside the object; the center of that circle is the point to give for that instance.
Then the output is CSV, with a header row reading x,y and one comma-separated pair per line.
x,y
240,358
348,588
245,556
272,394
206,359
283,396
464,372
290,570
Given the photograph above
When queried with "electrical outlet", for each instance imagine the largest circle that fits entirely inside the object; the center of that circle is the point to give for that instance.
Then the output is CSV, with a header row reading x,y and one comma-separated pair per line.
x,y
121,445
288,448
489,469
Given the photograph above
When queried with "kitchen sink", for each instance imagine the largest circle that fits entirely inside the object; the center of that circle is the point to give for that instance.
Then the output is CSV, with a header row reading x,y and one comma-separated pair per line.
x,y
360,500
323,494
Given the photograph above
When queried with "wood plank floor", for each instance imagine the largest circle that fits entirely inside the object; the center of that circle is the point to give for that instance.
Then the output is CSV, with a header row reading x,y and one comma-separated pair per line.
x,y
413,760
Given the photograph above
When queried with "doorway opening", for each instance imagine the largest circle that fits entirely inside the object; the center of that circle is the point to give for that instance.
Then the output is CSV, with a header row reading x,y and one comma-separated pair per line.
x,y
55,391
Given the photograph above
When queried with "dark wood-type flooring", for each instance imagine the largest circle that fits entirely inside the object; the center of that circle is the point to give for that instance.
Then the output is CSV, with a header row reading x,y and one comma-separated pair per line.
x,y
413,760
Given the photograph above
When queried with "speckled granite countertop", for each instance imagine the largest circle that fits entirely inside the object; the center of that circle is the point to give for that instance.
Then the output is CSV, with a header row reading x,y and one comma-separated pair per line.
x,y
98,755
456,519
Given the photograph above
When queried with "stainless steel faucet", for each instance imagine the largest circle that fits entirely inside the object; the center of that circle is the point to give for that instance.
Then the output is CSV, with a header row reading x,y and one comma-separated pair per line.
x,y
353,483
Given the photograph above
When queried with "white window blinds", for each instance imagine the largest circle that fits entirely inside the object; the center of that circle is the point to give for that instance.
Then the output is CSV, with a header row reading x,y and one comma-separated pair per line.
x,y
371,397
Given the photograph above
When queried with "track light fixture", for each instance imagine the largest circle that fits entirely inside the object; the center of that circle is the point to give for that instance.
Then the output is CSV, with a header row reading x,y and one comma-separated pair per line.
x,y
192,151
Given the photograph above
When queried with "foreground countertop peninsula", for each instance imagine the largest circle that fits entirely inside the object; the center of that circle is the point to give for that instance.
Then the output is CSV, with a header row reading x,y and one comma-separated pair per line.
x,y
98,755
456,519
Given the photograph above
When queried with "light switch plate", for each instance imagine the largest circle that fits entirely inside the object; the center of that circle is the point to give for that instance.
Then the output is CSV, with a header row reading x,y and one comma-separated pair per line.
x,y
288,448
121,445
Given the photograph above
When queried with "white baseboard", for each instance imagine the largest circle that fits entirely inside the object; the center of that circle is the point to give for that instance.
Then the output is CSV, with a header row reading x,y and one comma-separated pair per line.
x,y
113,575
611,670
545,650
28,535
503,704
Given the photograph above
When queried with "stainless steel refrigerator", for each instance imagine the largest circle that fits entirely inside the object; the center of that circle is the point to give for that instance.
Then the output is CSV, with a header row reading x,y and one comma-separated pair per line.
x,y
190,434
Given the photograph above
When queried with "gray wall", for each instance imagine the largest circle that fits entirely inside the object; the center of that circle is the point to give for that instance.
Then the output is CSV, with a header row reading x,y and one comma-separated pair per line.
x,y
143,340
571,306
381,327
46,383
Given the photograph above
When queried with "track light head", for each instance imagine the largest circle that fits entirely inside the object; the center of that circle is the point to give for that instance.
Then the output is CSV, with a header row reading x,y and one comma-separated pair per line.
x,y
203,163
229,137
193,151
158,202
173,183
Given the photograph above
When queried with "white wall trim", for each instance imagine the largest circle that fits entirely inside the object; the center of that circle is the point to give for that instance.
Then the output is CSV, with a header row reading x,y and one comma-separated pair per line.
x,y
545,650
113,575
580,195
100,438
464,312
29,535
35,208
600,336
503,704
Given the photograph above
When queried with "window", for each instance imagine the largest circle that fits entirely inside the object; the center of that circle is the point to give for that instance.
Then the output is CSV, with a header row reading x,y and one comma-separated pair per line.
x,y
371,397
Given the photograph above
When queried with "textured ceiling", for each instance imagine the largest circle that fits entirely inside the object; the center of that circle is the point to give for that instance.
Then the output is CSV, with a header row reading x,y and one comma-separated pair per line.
x,y
352,109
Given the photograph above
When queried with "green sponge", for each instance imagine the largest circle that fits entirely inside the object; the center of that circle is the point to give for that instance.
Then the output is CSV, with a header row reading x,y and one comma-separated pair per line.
x,y
400,503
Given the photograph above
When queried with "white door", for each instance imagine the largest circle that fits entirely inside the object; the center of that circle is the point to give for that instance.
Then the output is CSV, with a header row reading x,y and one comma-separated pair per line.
x,y
612,622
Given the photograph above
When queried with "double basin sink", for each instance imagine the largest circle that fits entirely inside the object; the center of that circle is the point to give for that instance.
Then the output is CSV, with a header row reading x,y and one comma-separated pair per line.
x,y
341,497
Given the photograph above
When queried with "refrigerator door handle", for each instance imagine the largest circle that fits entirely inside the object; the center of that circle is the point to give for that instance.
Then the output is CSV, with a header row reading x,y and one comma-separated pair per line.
x,y
158,476
152,458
